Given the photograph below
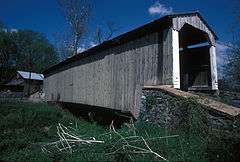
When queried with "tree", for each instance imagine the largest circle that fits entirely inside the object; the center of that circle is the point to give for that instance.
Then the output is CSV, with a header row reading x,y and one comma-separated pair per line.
x,y
24,50
2,26
8,52
34,52
63,44
76,13
232,69
7,49
104,35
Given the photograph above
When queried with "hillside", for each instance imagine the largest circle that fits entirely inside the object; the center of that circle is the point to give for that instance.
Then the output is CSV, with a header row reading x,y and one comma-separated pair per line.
x,y
27,129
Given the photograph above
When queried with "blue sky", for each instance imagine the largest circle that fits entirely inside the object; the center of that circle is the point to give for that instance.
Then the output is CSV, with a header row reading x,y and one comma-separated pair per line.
x,y
44,16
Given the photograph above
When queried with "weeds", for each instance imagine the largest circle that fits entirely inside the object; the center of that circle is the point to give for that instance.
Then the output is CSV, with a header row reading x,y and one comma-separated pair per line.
x,y
26,127
150,102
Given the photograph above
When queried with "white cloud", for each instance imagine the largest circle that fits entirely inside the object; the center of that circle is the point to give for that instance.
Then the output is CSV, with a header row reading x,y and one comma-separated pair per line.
x,y
161,9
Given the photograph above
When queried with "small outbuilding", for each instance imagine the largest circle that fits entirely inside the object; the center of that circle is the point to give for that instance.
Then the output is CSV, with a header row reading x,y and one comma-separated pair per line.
x,y
177,50
26,82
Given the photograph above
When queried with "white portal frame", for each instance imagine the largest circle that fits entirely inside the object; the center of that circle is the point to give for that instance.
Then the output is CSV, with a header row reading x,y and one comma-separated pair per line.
x,y
176,62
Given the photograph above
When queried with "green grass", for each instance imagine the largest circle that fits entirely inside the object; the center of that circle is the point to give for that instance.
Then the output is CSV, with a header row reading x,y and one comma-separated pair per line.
x,y
224,96
25,127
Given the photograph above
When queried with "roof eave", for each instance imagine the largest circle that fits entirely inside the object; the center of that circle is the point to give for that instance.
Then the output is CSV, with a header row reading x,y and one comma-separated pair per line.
x,y
117,40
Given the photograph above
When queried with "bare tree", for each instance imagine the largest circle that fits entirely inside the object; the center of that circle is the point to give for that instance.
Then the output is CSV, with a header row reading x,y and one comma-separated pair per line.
x,y
77,13
63,44
98,35
102,35
231,69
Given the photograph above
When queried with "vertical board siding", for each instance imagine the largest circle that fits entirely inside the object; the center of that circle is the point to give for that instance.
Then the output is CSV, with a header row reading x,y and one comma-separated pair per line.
x,y
112,78
195,21
167,60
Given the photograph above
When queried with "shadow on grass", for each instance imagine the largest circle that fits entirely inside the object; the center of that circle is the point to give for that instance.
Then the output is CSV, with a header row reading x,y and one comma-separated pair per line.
x,y
101,115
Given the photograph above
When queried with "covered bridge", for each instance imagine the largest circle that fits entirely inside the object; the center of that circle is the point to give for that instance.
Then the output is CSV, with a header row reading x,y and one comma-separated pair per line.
x,y
177,50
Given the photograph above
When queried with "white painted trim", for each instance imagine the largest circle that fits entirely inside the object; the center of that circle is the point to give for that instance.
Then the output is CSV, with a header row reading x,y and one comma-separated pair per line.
x,y
176,60
213,65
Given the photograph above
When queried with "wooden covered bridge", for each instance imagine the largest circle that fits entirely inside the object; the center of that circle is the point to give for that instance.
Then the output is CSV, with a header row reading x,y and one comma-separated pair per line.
x,y
177,50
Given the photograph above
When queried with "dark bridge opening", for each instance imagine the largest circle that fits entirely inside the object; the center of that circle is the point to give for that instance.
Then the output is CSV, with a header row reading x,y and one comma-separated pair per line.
x,y
195,73
101,115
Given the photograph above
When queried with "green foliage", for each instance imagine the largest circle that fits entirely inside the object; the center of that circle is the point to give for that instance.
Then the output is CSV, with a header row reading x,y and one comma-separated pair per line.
x,y
216,144
197,117
150,102
25,50
7,51
2,26
35,53
8,48
204,134
23,127
26,126
226,100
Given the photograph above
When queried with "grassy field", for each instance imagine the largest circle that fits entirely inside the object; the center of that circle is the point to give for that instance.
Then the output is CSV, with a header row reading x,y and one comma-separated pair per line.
x,y
27,127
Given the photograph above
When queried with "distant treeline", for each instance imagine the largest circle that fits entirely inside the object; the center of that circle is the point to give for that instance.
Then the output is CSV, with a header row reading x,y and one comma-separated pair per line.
x,y
24,50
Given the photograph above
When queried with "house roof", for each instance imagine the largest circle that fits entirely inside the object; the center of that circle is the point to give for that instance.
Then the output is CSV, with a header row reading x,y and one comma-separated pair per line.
x,y
28,75
151,27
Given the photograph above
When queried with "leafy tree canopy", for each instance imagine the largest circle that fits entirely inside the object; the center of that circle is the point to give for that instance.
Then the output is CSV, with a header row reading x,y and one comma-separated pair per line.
x,y
25,50
34,52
